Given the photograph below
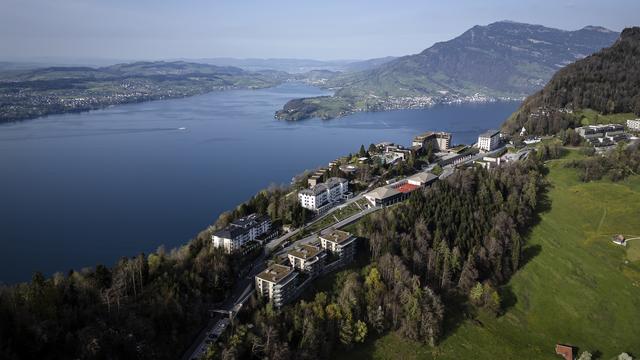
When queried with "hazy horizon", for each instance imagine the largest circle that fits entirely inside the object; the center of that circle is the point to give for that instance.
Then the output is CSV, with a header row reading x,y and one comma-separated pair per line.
x,y
119,30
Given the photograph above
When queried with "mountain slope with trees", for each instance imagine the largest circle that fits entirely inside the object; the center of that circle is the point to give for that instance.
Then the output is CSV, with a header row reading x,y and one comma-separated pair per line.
x,y
607,82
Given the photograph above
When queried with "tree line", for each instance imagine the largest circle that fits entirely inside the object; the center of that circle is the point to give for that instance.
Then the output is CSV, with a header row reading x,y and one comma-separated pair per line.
x,y
144,307
615,165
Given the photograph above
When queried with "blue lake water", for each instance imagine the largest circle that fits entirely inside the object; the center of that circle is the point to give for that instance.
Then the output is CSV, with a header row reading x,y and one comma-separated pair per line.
x,y
81,189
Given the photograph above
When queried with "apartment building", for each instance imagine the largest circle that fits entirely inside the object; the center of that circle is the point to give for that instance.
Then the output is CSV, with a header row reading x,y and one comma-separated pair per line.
x,y
307,258
340,243
240,231
277,283
321,196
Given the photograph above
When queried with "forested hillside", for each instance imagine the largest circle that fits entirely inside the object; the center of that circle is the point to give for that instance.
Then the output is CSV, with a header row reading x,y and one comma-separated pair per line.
x,y
607,81
146,307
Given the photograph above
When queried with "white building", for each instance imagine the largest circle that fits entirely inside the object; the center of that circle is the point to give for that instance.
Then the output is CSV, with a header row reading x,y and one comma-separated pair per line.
x,y
277,282
323,195
489,140
238,232
633,124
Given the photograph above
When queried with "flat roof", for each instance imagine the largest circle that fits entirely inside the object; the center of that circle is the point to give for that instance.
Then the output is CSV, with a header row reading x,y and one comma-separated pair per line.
x,y
337,236
275,273
305,252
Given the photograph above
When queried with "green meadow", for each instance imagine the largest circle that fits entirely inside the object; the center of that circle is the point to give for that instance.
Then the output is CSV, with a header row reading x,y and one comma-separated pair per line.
x,y
577,287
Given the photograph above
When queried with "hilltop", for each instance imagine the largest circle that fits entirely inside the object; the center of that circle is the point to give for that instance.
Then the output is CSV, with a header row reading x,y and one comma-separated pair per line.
x,y
607,82
502,60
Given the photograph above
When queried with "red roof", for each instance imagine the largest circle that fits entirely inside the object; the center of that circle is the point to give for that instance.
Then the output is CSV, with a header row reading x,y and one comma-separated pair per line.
x,y
565,351
407,188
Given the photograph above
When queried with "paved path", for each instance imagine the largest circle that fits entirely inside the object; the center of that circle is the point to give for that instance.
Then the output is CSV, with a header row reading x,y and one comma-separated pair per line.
x,y
274,244
240,293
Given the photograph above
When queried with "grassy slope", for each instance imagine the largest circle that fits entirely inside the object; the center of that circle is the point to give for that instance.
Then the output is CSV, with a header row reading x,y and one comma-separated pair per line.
x,y
576,290
592,117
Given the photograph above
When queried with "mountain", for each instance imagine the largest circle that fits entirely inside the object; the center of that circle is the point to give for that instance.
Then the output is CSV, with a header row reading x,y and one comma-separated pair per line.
x,y
367,64
53,90
607,82
505,60
501,59
292,66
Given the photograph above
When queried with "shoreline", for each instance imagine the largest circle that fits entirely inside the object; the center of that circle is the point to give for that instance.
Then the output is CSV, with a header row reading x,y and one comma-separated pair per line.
x,y
388,104
101,106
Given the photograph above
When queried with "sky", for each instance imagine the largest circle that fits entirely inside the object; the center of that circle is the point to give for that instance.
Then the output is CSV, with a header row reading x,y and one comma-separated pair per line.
x,y
325,29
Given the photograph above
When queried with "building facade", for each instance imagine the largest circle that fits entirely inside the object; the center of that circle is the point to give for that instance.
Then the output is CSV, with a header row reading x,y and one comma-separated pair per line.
x,y
323,195
489,140
440,141
339,243
277,283
240,231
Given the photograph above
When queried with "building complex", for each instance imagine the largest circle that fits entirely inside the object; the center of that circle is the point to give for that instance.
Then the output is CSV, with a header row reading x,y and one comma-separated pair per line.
x,y
599,131
240,231
282,283
602,136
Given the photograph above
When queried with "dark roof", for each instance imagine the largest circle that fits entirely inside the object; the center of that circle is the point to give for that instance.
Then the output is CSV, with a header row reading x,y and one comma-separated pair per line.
x,y
490,133
230,232
241,226
250,221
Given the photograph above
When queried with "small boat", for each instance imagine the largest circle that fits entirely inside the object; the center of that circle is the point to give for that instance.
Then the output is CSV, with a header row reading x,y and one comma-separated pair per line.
x,y
182,128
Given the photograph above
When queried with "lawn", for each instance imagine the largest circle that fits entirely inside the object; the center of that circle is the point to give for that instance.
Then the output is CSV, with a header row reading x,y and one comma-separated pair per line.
x,y
330,219
578,287
592,117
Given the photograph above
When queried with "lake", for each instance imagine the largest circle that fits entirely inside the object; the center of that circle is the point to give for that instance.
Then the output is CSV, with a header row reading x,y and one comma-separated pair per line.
x,y
88,188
